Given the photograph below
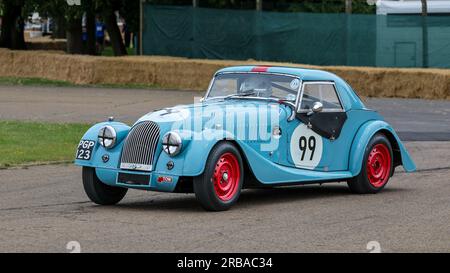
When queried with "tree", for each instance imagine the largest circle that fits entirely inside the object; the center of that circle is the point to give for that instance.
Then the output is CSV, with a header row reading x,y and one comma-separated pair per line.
x,y
73,22
68,19
89,8
108,11
56,10
74,30
115,36
130,11
13,24
348,6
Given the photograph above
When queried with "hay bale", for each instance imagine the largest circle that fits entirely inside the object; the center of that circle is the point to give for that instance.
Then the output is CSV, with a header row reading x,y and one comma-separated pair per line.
x,y
195,74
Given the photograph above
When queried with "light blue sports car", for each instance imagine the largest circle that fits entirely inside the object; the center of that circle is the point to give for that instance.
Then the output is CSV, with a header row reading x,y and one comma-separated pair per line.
x,y
257,126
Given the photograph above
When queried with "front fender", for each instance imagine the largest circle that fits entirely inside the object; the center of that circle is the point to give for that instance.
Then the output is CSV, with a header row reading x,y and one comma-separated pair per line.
x,y
362,138
193,158
98,151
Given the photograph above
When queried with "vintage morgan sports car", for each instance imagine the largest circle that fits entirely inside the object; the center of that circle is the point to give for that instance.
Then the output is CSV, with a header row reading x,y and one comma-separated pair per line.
x,y
257,126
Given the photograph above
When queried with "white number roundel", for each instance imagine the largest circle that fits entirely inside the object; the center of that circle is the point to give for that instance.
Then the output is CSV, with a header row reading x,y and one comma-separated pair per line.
x,y
306,147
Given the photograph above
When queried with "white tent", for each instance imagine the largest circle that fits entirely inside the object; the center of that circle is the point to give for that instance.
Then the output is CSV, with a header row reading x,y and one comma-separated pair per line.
x,y
411,6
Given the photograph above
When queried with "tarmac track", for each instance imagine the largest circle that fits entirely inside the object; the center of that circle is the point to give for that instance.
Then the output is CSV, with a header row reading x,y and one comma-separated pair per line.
x,y
43,208
413,119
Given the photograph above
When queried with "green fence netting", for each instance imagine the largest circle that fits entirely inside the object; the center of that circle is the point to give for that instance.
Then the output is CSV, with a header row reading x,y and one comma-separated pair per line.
x,y
310,38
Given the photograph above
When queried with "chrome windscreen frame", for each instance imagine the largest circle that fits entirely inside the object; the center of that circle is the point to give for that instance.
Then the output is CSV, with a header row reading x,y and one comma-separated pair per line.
x,y
294,105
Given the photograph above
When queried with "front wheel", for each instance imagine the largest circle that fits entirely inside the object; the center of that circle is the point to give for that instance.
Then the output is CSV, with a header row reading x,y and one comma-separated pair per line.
x,y
219,187
99,192
376,168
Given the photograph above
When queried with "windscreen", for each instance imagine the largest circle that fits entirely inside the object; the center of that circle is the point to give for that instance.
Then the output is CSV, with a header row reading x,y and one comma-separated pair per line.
x,y
255,85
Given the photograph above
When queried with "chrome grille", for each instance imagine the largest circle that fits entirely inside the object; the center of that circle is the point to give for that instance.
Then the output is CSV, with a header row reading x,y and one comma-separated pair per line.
x,y
140,146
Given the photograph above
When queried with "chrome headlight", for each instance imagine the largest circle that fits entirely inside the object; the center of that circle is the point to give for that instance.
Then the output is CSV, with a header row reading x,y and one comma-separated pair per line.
x,y
172,143
107,136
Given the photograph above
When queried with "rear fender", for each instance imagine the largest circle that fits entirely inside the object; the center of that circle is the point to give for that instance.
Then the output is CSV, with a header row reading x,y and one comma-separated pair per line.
x,y
362,138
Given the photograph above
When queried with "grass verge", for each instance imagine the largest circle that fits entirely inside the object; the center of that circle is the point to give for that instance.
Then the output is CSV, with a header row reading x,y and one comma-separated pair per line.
x,y
33,142
33,82
108,51
11,81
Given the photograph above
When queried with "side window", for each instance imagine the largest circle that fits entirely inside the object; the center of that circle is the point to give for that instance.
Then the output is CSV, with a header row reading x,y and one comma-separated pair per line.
x,y
322,92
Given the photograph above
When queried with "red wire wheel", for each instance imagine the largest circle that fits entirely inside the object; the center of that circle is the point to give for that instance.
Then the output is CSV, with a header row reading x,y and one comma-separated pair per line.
x,y
379,165
226,177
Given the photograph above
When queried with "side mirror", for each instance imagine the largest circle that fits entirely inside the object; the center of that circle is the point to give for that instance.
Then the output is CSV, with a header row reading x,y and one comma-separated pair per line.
x,y
317,107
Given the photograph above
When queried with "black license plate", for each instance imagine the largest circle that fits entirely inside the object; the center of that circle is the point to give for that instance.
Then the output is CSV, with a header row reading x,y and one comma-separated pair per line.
x,y
85,148
133,179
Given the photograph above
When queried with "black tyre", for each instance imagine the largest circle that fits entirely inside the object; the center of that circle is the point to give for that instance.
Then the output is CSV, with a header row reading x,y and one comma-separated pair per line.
x,y
99,192
377,167
219,187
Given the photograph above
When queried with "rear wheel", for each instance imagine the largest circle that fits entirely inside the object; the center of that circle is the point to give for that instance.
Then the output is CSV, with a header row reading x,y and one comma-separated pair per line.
x,y
376,168
219,187
99,192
